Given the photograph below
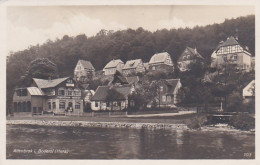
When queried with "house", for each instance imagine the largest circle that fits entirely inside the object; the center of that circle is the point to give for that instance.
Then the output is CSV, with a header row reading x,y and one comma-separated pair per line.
x,y
249,91
231,51
118,79
133,66
84,70
161,61
188,57
102,101
113,66
56,96
168,93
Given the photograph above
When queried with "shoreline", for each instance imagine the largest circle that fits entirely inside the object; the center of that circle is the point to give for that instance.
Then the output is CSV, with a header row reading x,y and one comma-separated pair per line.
x,y
90,124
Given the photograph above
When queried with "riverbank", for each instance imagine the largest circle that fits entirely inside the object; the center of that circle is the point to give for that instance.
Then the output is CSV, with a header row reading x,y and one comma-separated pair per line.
x,y
98,124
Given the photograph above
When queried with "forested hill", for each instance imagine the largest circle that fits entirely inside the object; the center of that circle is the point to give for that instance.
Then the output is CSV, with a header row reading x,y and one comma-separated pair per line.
x,y
132,44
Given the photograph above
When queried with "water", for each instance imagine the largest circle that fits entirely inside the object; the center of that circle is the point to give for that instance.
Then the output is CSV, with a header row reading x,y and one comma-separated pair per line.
x,y
104,143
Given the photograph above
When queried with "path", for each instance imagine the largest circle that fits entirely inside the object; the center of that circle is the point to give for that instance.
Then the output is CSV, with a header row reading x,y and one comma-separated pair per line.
x,y
164,114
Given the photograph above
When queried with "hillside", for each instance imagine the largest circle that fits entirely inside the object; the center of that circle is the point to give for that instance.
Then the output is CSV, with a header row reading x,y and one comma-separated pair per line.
x,y
128,44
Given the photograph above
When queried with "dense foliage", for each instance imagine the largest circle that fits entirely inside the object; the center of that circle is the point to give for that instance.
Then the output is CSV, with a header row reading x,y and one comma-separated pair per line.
x,y
128,44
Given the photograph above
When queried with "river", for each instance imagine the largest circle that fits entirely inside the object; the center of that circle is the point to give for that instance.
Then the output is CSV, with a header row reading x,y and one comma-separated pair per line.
x,y
41,142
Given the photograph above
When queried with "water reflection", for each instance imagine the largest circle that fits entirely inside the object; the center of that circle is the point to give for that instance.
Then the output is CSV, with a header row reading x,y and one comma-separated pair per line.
x,y
101,143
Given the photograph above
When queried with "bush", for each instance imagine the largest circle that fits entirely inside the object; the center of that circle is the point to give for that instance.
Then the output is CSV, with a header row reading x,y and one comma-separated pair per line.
x,y
242,121
197,121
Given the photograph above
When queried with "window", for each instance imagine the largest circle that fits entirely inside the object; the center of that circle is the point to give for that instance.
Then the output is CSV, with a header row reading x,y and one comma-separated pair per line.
x,y
116,103
49,105
70,92
77,105
169,98
62,105
108,105
235,57
50,92
184,57
53,105
188,56
163,98
77,92
161,88
119,103
96,104
61,92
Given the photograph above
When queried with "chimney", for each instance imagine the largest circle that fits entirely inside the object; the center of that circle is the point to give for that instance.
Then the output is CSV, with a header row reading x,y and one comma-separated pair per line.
x,y
236,37
195,50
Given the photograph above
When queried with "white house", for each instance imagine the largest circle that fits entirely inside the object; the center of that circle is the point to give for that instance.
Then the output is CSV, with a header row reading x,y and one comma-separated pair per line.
x,y
133,66
249,91
84,69
161,61
232,52
113,66
100,101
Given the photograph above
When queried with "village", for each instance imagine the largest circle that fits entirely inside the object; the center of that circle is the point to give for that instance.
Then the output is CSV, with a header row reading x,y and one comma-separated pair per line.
x,y
124,85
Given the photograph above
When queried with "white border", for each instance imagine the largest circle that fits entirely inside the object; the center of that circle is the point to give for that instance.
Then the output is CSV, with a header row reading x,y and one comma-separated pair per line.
x,y
4,4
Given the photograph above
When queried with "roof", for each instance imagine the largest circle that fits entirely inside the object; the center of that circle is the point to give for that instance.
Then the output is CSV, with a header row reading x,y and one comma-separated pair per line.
x,y
42,83
34,91
86,64
230,41
192,52
102,92
248,90
113,64
171,83
132,64
132,79
159,58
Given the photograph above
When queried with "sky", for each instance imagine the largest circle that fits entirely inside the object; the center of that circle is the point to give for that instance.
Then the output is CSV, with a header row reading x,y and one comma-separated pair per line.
x,y
32,25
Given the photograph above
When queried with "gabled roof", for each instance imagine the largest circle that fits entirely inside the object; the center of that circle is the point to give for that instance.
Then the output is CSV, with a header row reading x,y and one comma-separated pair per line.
x,y
248,90
171,83
102,92
132,79
113,64
34,91
131,64
86,64
230,41
192,52
159,58
42,83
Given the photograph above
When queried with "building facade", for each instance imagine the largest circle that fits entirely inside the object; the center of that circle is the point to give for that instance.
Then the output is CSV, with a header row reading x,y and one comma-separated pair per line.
x,y
113,66
133,66
160,61
231,52
57,96
84,70
101,101
249,92
167,93
188,57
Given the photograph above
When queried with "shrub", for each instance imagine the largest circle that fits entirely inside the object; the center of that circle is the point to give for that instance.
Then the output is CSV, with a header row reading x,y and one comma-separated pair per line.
x,y
242,121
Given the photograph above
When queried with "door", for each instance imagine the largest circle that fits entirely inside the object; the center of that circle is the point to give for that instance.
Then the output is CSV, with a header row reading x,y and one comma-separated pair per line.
x,y
70,107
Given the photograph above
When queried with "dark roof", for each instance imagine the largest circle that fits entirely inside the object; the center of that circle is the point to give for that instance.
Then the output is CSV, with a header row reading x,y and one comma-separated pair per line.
x,y
132,64
171,83
86,64
102,92
192,51
132,79
42,83
232,41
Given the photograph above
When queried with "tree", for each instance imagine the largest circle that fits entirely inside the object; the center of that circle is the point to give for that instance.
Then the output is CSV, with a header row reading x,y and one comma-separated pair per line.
x,y
39,68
